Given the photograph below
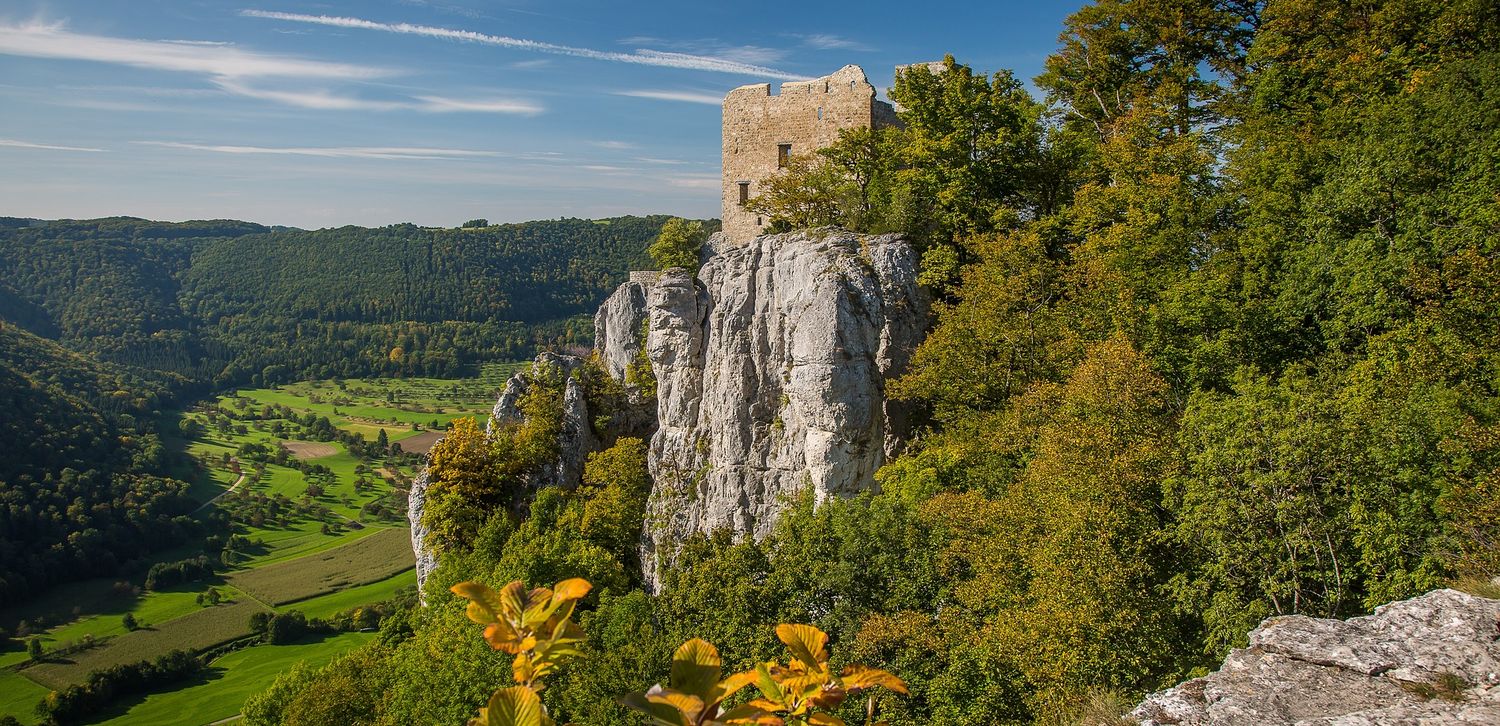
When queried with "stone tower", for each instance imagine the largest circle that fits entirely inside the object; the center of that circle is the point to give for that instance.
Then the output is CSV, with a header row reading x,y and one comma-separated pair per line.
x,y
763,131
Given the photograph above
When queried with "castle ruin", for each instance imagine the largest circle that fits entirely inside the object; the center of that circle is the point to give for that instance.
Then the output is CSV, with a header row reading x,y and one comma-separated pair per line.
x,y
763,131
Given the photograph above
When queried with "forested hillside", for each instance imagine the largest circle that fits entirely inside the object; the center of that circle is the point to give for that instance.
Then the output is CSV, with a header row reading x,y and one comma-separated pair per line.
x,y
1217,337
80,489
104,323
224,303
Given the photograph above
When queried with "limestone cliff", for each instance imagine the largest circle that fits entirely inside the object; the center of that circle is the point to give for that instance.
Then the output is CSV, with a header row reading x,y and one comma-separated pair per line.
x,y
576,440
1429,660
416,501
770,372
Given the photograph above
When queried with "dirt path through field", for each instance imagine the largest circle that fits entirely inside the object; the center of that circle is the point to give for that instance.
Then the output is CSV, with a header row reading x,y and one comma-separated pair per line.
x,y
232,487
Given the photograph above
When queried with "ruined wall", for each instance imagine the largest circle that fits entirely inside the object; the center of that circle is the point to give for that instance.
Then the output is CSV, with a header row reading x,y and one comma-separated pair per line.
x,y
806,114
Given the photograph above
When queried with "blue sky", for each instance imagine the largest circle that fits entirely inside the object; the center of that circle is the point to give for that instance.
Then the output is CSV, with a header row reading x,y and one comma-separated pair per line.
x,y
428,111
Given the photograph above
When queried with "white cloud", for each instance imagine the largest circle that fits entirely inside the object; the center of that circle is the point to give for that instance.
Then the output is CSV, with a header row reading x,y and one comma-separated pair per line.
x,y
654,160
49,147
338,152
617,145
695,182
316,99
231,69
719,64
828,41
683,96
753,54
52,41
439,104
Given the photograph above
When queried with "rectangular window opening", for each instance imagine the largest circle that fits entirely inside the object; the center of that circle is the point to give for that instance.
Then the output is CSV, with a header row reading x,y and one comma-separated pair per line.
x,y
783,155
744,192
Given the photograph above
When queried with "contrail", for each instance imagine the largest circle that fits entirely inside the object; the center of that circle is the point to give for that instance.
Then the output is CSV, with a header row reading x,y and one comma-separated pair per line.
x,y
639,57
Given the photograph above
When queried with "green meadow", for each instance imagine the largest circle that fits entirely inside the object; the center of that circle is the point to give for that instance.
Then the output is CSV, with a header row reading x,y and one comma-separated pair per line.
x,y
231,680
320,519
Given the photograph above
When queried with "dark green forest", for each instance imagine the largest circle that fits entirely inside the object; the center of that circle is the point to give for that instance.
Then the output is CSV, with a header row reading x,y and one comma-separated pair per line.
x,y
1218,338
81,486
225,303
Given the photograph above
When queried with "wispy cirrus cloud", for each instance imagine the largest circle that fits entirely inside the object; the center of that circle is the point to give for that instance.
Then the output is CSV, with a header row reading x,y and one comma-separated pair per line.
x,y
703,181
702,97
440,104
336,152
37,40
828,41
18,144
690,61
240,72
326,101
317,99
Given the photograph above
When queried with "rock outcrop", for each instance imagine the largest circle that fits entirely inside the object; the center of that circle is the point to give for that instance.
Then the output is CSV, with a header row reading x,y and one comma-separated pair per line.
x,y
620,323
619,341
1434,659
416,500
770,372
576,439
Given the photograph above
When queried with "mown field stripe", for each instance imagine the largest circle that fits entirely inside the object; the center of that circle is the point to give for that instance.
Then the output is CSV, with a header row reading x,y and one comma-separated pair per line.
x,y
370,559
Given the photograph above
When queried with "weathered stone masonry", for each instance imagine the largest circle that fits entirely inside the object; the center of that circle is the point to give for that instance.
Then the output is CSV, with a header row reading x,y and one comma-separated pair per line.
x,y
761,130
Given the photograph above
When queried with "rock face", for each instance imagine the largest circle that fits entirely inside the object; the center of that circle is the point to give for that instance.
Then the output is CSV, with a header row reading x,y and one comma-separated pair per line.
x,y
619,338
415,501
620,324
576,439
771,371
1434,659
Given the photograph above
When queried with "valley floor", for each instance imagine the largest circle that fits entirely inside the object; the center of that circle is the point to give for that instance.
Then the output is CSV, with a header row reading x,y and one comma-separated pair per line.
x,y
320,528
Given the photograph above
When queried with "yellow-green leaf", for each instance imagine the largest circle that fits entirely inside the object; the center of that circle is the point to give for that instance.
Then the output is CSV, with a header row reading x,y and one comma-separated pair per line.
x,y
571,589
750,714
522,668
690,705
513,600
695,669
734,683
514,706
484,604
500,636
660,714
823,719
808,644
767,685
858,677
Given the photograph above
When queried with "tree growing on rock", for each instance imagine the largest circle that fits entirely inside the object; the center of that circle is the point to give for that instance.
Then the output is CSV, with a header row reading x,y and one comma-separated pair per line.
x,y
678,245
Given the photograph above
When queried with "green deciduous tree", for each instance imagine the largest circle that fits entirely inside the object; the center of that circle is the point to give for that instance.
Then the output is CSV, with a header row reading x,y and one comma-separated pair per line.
x,y
678,244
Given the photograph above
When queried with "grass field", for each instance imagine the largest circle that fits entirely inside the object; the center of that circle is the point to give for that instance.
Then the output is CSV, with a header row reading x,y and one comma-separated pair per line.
x,y
374,558
19,696
336,602
232,680
196,631
340,559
